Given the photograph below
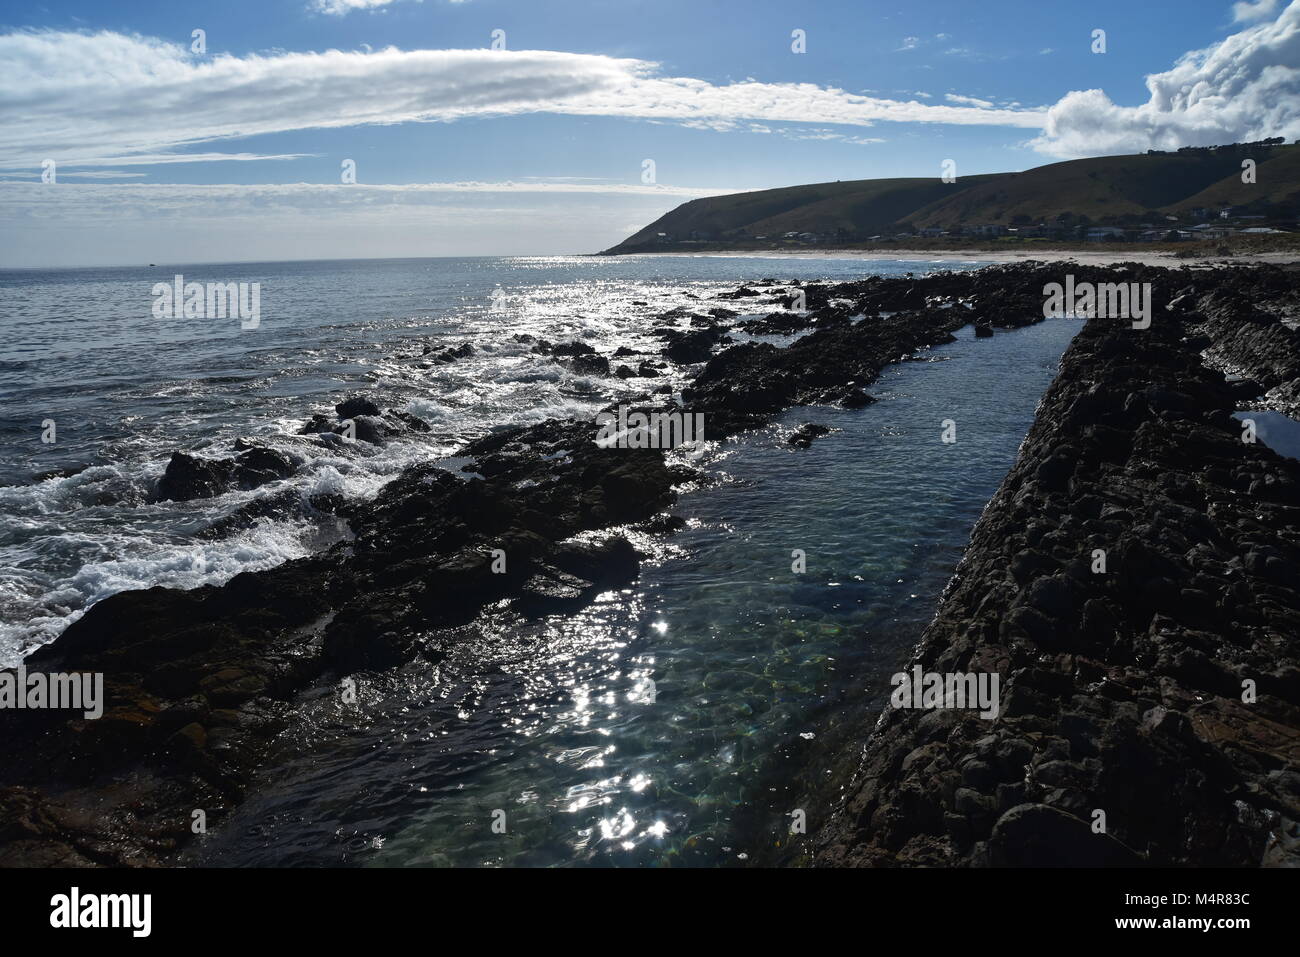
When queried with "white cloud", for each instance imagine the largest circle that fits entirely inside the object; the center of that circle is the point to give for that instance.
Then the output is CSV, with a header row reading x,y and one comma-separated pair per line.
x,y
341,8
98,174
157,159
968,101
1246,87
60,199
91,97
1247,12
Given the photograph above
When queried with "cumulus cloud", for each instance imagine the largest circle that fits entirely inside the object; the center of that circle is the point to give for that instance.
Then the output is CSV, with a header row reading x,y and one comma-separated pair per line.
x,y
83,96
1246,87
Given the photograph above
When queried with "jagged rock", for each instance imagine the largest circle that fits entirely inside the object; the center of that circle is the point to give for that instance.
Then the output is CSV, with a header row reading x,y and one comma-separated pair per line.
x,y
352,407
189,477
804,435
588,364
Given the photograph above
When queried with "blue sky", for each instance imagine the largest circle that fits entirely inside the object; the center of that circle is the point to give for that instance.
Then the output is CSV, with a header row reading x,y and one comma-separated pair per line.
x,y
539,148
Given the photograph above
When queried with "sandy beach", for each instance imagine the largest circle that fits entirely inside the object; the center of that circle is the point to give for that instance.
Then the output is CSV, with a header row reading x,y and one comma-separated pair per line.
x,y
1087,257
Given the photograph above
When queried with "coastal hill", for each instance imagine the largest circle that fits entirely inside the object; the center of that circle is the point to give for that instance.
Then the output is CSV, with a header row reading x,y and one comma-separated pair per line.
x,y
1192,185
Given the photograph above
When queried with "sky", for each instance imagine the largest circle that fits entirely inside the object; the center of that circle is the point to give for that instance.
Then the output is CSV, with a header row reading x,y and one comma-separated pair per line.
x,y
330,129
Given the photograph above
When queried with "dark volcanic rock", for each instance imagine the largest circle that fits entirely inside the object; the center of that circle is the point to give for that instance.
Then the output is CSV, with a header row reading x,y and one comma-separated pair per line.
x,y
189,477
445,355
585,364
856,399
695,345
804,435
1137,600
356,405
575,348
1121,690
742,385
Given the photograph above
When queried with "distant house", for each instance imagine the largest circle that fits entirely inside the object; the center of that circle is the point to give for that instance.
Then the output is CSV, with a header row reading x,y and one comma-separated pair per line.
x,y
1226,211
1098,233
933,232
986,229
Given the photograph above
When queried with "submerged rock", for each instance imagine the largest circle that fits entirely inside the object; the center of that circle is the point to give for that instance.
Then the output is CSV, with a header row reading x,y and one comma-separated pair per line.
x,y
804,435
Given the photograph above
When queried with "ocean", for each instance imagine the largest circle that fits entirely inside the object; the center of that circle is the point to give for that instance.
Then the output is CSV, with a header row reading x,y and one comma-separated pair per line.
x,y
629,733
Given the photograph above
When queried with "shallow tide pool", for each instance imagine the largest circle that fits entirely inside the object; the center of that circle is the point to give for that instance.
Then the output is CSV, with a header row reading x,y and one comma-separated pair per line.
x,y
666,724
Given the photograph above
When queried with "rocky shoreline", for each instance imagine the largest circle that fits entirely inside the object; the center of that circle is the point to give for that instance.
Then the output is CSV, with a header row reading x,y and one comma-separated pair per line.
x,y
1132,443
1151,710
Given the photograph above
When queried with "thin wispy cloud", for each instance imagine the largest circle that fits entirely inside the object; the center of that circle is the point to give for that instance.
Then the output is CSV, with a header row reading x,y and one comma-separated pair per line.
x,y
77,97
308,195
968,101
154,222
339,8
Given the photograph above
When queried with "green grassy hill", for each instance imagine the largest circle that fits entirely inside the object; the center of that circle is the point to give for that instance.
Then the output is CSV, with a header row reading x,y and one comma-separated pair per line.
x,y
865,205
1277,182
1108,189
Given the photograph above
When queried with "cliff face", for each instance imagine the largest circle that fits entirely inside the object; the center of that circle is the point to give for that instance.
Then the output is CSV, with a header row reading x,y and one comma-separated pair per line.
x,y
1150,711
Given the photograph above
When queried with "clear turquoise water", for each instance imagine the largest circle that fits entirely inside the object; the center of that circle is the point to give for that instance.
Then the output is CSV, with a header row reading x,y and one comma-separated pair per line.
x,y
558,725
